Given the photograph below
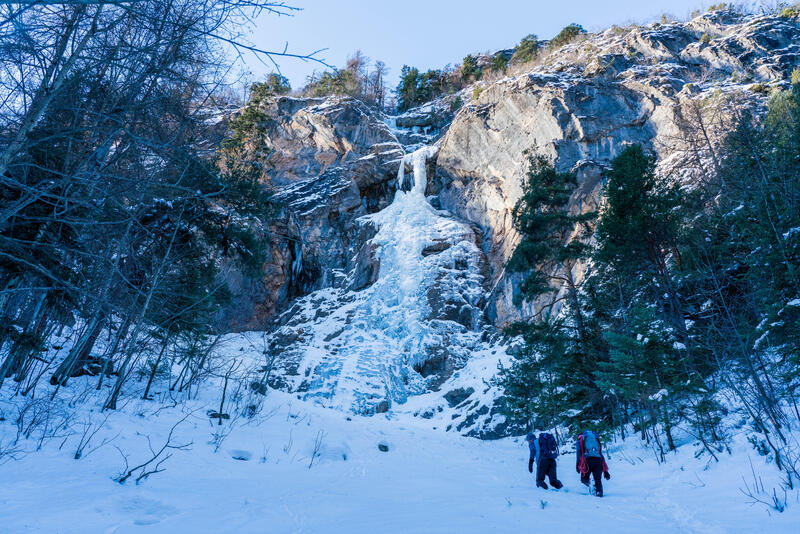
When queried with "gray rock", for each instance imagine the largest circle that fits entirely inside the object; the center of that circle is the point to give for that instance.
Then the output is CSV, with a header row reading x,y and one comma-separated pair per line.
x,y
436,248
457,396
258,387
332,161
583,105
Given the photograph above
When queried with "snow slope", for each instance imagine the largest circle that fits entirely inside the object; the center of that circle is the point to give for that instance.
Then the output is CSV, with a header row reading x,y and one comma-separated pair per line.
x,y
429,481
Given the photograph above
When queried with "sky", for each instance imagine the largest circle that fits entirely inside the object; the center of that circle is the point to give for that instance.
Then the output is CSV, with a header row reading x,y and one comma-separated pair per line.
x,y
432,33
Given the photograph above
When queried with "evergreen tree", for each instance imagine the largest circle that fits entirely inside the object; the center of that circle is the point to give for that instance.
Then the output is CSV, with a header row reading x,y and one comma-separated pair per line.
x,y
638,234
742,256
275,84
527,49
499,62
555,366
470,69
643,373
568,34
416,88
550,247
409,88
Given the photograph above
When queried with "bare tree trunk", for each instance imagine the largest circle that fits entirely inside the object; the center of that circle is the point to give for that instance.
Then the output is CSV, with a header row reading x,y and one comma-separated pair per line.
x,y
146,394
52,81
109,356
17,354
80,351
111,404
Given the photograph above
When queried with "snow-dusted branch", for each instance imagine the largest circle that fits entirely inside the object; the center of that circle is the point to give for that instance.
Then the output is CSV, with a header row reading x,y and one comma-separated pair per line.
x,y
154,463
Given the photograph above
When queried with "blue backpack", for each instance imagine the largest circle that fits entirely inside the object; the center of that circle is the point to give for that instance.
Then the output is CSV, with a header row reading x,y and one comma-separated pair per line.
x,y
591,445
548,448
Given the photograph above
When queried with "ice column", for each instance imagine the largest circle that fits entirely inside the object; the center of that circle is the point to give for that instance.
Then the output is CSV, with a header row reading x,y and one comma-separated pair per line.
x,y
417,160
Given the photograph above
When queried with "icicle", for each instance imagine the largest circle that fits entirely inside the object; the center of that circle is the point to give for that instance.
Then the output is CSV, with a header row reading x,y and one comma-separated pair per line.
x,y
297,264
417,160
401,174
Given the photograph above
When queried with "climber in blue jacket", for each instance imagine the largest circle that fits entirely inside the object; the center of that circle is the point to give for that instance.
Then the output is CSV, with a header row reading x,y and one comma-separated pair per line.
x,y
544,451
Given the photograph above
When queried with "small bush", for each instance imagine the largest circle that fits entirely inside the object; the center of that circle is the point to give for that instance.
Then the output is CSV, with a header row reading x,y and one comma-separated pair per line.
x,y
617,30
274,85
759,88
470,68
567,35
476,92
456,103
527,49
499,62
328,83
789,12
705,38
795,78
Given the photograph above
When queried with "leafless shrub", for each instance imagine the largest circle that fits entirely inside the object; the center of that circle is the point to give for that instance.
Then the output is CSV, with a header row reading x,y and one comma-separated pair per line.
x,y
153,464
87,435
9,450
264,455
318,441
757,494
42,419
288,447
221,433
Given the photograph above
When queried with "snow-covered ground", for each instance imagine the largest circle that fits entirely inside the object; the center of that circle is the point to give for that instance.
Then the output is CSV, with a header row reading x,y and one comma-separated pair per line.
x,y
262,480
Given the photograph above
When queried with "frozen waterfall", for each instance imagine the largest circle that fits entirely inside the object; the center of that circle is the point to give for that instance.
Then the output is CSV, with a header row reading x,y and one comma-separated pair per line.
x,y
358,349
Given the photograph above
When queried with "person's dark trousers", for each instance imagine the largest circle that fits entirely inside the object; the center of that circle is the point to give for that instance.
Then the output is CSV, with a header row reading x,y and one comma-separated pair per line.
x,y
547,466
596,471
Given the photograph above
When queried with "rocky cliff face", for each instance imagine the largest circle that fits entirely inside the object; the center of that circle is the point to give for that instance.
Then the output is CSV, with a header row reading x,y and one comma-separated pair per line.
x,y
590,99
331,161
336,163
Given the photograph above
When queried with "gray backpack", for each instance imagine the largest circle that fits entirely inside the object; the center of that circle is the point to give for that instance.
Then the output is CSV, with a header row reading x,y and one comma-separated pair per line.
x,y
591,445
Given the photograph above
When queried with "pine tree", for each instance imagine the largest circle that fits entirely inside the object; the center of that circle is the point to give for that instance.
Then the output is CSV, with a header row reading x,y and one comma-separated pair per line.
x,y
741,259
654,370
527,49
555,367
639,231
470,69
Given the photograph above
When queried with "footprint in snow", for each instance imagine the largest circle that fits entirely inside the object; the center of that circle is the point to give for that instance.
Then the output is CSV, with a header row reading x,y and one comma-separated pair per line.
x,y
146,521
241,455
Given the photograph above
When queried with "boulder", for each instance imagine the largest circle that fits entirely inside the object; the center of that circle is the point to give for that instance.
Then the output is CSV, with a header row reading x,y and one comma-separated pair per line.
x,y
457,396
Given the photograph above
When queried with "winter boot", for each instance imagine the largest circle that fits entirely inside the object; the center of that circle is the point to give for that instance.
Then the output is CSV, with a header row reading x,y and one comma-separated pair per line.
x,y
542,485
557,484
